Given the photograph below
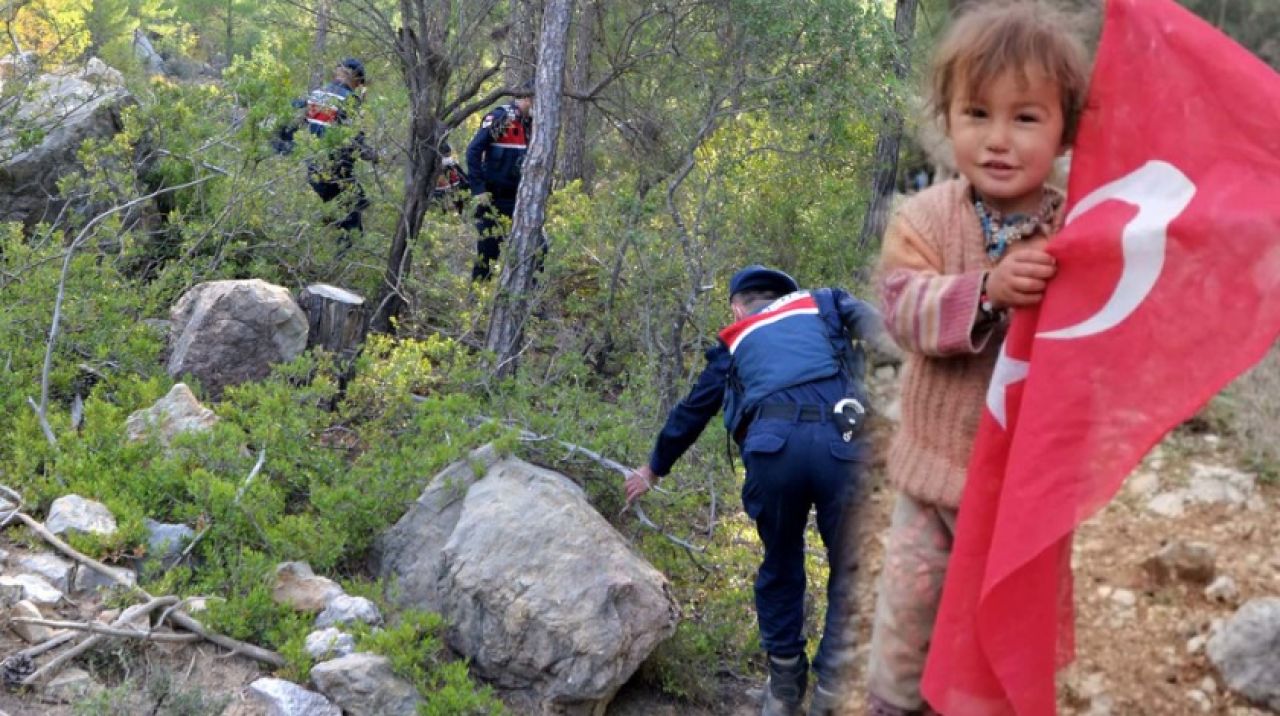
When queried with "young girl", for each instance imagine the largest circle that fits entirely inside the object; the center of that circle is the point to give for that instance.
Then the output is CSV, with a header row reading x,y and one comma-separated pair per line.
x,y
1008,82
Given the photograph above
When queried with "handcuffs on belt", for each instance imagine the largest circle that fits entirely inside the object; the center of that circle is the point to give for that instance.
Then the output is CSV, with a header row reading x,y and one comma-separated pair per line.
x,y
849,414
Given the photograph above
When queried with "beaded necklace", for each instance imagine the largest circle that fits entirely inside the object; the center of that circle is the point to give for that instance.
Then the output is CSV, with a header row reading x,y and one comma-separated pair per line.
x,y
999,231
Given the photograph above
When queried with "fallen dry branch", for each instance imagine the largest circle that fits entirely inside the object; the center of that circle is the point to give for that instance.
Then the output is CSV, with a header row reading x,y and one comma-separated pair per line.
x,y
634,507
128,616
105,630
97,634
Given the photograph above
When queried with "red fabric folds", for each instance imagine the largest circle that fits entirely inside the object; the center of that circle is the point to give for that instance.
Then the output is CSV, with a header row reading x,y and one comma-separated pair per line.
x,y
1168,287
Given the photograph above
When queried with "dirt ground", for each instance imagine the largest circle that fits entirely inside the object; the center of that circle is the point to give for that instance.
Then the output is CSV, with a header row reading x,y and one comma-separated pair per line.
x,y
1132,660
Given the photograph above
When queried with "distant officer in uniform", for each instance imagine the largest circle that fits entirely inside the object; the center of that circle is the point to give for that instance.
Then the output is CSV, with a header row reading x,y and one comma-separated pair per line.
x,y
495,158
334,176
790,380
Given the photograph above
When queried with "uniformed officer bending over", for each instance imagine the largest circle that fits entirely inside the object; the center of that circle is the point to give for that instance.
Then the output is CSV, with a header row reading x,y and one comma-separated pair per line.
x,y
790,381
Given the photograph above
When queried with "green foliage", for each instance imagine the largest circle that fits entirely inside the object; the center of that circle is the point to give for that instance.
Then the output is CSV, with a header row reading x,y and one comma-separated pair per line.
x,y
415,648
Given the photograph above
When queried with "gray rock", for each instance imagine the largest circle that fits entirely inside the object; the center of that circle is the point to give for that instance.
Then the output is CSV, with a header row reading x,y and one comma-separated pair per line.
x,y
63,110
150,60
344,610
411,552
364,685
166,541
1218,484
285,698
75,513
10,594
56,570
176,413
298,587
229,332
329,644
1193,562
1223,590
89,580
30,633
544,596
1244,650
34,588
1168,504
70,686
1143,484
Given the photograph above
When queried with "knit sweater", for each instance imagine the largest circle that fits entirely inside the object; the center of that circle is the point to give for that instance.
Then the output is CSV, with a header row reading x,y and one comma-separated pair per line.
x,y
930,281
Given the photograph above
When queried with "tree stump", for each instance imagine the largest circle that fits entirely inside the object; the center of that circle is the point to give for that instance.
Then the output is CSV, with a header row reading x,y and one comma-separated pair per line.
x,y
337,318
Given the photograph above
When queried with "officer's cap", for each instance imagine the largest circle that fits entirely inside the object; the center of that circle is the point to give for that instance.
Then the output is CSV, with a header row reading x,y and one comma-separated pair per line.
x,y
356,67
758,278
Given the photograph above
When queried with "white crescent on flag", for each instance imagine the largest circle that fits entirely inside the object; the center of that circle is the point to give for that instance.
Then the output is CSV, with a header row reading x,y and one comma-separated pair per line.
x,y
1161,192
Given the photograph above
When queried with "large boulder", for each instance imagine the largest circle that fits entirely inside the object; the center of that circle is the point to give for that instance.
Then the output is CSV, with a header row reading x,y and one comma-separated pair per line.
x,y
543,596
412,551
229,332
1245,650
62,111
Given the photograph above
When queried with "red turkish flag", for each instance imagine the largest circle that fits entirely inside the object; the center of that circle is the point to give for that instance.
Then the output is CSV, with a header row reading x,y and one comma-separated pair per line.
x,y
1168,286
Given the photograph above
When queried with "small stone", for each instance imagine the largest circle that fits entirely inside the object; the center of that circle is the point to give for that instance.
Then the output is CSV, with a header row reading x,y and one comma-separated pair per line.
x,y
195,605
75,513
35,589
1195,644
1193,562
1105,592
1212,439
1243,651
165,541
345,609
1168,504
329,643
56,570
10,594
285,698
298,587
71,686
1143,484
1124,598
176,413
30,633
91,580
1208,685
1201,700
1223,590
365,684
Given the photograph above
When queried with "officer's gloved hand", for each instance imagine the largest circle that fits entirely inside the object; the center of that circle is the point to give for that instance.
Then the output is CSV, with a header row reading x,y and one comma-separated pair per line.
x,y
484,199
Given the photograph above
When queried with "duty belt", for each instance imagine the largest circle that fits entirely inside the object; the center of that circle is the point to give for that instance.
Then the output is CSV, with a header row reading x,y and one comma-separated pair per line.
x,y
848,414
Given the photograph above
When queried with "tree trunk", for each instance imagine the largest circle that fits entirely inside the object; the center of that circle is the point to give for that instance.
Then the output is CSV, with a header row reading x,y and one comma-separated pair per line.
x,y
573,155
336,318
419,48
319,63
886,156
511,305
522,44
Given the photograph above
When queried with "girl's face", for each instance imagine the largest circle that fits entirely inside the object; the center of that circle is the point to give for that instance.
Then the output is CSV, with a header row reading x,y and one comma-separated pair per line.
x,y
1006,138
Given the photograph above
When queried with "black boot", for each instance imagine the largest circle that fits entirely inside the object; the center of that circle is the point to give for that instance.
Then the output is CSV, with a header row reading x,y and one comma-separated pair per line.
x,y
784,693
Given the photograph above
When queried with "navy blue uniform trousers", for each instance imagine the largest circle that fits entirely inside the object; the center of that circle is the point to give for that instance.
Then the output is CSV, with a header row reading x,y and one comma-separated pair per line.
x,y
792,466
